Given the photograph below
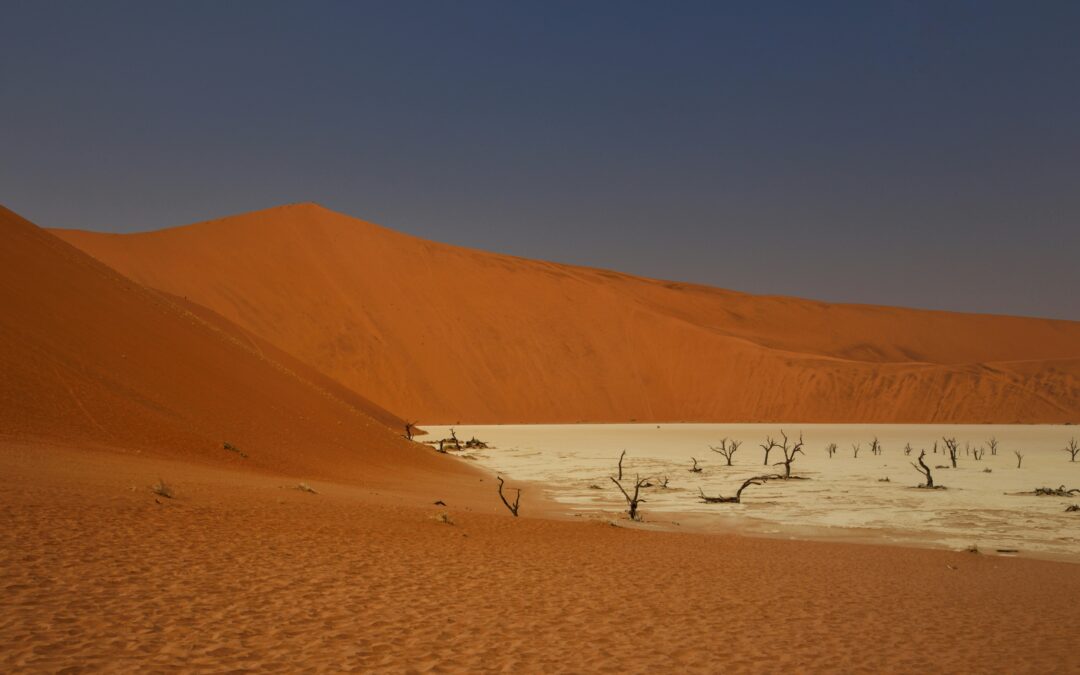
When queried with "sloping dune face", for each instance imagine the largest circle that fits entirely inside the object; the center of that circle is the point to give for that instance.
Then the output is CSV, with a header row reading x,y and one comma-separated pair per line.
x,y
88,355
444,334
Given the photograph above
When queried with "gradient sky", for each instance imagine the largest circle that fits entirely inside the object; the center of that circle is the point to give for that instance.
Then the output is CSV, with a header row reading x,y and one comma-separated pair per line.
x,y
907,153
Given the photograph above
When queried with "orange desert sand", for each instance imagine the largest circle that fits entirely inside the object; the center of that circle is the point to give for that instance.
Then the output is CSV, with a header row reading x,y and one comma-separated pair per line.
x,y
109,385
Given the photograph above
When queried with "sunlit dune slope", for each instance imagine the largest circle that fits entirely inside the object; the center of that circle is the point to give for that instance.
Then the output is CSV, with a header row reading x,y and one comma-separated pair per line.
x,y
88,355
442,333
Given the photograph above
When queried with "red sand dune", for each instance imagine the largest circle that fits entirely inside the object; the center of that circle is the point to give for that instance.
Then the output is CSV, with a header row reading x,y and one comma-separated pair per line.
x,y
90,356
442,334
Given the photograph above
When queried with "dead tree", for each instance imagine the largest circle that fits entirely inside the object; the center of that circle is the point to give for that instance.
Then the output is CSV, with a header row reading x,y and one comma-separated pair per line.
x,y
856,447
1073,448
768,446
953,448
727,449
695,468
978,453
1019,458
875,447
992,444
831,449
517,500
737,499
632,502
662,483
924,470
620,463
908,449
410,428
789,454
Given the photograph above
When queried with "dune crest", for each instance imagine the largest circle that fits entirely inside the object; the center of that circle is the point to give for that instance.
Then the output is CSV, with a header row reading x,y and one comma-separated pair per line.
x,y
441,333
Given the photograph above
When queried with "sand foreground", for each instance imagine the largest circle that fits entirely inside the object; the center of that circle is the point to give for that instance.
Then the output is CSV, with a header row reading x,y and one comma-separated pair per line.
x,y
241,571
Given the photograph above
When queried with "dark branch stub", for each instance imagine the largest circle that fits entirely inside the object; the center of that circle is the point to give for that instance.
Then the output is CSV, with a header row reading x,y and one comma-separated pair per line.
x,y
517,499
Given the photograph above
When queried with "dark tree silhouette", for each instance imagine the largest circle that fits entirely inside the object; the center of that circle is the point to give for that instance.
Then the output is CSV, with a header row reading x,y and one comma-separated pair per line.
x,y
768,447
953,447
632,502
727,449
925,470
789,453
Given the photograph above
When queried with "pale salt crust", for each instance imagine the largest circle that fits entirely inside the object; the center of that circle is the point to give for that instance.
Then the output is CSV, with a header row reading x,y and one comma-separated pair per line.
x,y
844,499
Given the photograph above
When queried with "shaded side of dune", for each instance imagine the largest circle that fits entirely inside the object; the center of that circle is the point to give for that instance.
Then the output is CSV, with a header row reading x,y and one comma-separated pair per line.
x,y
91,356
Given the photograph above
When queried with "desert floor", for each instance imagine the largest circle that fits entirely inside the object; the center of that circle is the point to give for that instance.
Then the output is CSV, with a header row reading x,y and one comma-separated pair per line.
x,y
871,498
242,571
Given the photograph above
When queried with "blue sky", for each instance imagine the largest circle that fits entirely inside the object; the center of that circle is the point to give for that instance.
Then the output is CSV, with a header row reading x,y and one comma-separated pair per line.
x,y
918,154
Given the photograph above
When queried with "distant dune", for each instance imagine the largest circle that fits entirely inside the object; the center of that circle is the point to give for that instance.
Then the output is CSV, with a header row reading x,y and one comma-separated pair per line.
x,y
444,334
91,357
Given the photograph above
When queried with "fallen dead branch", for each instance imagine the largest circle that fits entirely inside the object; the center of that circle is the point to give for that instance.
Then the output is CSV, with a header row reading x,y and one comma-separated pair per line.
x,y
737,499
